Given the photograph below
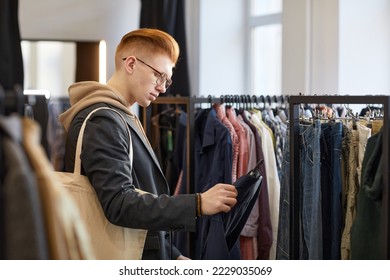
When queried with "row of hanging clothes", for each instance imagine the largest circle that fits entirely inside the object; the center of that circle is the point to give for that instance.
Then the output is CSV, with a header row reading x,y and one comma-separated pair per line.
x,y
231,135
340,184
37,216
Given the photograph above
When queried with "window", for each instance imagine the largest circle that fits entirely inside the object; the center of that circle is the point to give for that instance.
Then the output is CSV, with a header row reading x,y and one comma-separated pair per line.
x,y
265,7
265,46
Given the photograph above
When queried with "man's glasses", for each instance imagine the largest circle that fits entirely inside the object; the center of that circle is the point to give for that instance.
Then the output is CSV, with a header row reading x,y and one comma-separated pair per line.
x,y
162,77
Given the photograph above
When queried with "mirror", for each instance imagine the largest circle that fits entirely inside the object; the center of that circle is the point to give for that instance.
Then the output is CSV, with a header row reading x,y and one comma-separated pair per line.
x,y
51,66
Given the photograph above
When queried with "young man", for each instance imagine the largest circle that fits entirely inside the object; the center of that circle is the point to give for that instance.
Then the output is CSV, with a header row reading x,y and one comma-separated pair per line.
x,y
144,60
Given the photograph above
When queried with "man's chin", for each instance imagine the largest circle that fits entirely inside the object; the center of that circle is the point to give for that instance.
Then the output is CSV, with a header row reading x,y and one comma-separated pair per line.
x,y
145,104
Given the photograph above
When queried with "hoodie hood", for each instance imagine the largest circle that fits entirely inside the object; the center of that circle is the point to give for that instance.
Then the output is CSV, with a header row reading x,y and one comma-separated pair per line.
x,y
85,94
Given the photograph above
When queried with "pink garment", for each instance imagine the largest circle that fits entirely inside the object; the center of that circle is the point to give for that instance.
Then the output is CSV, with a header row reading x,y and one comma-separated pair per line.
x,y
221,115
243,153
246,248
249,234
178,184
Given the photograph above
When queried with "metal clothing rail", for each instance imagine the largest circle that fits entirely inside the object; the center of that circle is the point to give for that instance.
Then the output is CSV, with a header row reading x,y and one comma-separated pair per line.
x,y
295,180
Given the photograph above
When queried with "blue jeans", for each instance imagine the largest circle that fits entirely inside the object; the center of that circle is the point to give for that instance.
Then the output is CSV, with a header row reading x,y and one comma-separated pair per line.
x,y
311,214
283,241
331,186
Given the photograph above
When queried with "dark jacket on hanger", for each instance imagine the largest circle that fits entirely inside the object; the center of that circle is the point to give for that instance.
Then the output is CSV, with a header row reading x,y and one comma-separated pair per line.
x,y
213,162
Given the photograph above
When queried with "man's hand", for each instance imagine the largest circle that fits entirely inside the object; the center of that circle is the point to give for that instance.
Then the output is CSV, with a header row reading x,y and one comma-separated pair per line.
x,y
181,257
219,198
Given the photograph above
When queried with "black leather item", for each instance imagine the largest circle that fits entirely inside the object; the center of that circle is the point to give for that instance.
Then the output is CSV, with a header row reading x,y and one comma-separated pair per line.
x,y
248,188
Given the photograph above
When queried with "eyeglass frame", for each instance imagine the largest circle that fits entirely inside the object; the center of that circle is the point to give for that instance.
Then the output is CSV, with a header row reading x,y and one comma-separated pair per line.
x,y
162,75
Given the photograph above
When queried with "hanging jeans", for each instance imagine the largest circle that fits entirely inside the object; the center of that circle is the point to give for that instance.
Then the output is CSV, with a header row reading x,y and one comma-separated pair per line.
x,y
283,241
311,192
331,187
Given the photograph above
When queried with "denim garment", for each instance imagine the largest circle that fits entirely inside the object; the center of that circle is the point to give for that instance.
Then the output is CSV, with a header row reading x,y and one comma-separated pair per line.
x,y
331,186
283,241
311,191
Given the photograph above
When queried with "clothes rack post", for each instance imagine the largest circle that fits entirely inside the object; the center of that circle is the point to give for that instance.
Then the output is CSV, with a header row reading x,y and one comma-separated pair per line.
x,y
295,180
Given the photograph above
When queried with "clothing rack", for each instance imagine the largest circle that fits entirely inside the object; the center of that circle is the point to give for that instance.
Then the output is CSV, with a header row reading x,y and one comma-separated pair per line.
x,y
190,104
295,180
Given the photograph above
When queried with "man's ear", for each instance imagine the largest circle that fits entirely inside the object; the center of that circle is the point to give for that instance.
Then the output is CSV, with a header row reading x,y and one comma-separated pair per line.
x,y
130,64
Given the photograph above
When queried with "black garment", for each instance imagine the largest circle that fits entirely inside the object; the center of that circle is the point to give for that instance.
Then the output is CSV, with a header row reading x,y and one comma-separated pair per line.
x,y
367,229
213,164
168,15
232,223
11,59
248,188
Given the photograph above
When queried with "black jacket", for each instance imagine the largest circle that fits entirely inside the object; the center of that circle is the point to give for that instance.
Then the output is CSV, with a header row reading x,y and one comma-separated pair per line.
x,y
105,161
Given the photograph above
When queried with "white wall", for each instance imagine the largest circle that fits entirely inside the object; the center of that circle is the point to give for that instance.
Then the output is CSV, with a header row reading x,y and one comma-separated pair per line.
x,y
221,47
336,47
324,39
295,47
364,47
310,47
